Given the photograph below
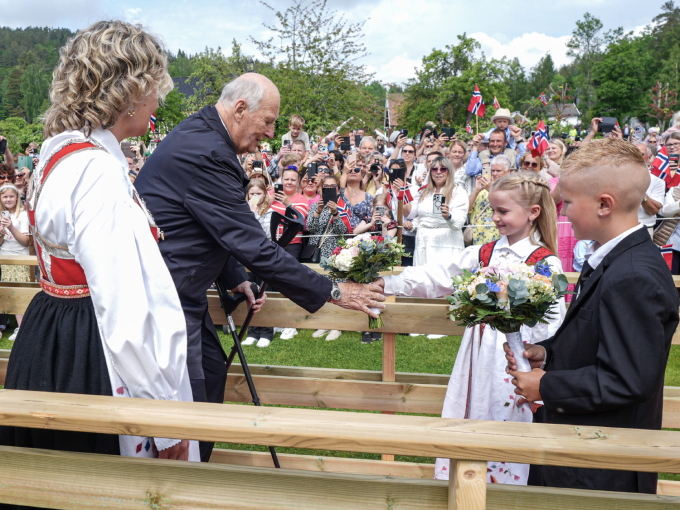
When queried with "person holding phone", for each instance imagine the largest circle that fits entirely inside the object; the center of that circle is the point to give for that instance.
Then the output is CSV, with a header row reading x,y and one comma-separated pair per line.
x,y
351,191
325,224
483,228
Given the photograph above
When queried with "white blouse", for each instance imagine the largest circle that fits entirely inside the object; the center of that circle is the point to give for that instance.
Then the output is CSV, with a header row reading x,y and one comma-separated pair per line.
x,y
88,205
10,246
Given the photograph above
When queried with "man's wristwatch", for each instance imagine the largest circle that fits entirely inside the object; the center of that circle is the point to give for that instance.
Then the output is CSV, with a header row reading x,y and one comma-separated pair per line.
x,y
335,292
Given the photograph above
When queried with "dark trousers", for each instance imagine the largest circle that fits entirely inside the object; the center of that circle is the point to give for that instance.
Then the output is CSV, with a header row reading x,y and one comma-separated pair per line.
x,y
409,243
258,333
210,389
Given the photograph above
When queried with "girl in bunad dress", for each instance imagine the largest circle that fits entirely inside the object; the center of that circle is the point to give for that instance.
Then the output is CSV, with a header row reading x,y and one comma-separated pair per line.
x,y
108,320
479,388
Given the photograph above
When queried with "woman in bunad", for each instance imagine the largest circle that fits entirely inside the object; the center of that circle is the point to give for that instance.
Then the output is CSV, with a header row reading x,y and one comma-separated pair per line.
x,y
108,320
479,388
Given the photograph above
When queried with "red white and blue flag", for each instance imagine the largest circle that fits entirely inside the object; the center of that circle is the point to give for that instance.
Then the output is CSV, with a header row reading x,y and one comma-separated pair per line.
x,y
667,254
152,122
468,128
543,99
345,214
660,166
404,195
496,104
539,142
477,103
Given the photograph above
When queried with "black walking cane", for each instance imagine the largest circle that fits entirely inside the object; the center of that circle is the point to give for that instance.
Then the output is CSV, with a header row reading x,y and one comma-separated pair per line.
x,y
293,222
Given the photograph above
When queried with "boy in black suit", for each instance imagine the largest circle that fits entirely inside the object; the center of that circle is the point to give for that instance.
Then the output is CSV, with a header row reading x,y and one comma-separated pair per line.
x,y
605,365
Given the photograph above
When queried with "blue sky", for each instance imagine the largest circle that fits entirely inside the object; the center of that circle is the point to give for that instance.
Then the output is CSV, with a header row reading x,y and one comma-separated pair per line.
x,y
398,33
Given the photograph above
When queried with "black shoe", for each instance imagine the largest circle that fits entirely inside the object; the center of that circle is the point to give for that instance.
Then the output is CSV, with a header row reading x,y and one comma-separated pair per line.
x,y
376,335
366,338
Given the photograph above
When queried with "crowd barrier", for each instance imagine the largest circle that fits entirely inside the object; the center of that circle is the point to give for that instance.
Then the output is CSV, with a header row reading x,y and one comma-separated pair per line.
x,y
328,482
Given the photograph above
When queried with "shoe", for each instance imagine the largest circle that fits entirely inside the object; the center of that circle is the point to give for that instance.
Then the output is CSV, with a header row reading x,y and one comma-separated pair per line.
x,y
366,338
263,342
319,333
415,334
434,337
333,335
278,330
376,336
288,333
14,335
249,341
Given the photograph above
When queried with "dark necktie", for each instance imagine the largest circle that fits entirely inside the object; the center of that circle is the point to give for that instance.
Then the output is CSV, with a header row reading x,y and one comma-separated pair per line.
x,y
586,271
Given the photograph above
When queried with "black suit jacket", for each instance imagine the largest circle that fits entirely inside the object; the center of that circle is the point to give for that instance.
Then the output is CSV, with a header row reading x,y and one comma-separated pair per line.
x,y
606,363
194,186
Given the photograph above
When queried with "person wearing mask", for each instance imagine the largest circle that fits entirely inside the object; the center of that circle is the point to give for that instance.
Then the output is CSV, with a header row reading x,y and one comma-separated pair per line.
x,y
483,228
497,146
325,224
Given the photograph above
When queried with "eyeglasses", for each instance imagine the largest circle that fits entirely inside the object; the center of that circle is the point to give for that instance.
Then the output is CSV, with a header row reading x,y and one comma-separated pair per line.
x,y
329,186
356,170
408,152
6,178
673,145
532,164
439,170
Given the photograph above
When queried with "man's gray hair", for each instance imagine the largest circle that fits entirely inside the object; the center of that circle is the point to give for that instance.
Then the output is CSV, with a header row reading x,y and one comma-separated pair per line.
x,y
368,139
502,159
251,91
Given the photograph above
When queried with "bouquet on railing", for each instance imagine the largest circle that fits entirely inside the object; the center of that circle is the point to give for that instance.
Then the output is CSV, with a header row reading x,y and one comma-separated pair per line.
x,y
361,259
506,297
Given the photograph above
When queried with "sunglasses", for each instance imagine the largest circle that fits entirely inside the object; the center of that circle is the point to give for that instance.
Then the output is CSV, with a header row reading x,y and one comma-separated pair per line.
x,y
439,170
532,165
6,178
355,170
408,152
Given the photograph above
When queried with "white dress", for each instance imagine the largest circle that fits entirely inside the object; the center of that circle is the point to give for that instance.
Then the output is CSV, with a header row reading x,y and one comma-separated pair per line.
x,y
481,362
89,206
437,238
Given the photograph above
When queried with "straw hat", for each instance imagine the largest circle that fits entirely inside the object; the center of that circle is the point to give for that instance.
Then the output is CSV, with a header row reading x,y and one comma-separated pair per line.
x,y
503,113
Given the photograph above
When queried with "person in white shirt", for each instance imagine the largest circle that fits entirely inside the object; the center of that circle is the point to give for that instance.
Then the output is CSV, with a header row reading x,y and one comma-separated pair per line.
x,y
654,198
108,320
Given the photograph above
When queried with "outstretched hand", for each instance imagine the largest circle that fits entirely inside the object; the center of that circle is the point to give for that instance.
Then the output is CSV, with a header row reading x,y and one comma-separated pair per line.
x,y
361,296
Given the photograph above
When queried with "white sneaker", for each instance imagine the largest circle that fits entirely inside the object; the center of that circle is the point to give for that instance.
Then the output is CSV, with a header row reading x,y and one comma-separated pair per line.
x,y
416,334
319,333
334,334
288,333
263,342
278,330
14,335
249,341
434,337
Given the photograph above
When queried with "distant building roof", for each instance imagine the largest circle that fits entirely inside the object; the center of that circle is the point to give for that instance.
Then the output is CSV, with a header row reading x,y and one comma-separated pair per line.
x,y
187,85
569,110
393,101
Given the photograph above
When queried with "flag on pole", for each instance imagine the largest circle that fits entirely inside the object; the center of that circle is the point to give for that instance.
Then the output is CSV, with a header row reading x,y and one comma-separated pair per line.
x,y
660,166
496,104
539,142
468,128
344,213
477,103
152,122
404,195
543,99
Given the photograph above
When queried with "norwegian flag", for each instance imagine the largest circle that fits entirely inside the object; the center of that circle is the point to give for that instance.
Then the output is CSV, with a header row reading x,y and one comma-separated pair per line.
x,y
660,166
404,195
496,104
152,122
477,103
344,213
667,254
468,128
543,99
539,142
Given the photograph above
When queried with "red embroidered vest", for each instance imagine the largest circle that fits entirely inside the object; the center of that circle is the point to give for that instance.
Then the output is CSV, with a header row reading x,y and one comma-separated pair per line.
x,y
536,256
61,275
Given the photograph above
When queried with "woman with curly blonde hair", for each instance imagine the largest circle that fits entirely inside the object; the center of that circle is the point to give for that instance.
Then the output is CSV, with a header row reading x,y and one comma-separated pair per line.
x,y
108,320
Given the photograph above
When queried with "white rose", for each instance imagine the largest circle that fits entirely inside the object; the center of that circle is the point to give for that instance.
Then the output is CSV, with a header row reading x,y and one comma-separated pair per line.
x,y
344,260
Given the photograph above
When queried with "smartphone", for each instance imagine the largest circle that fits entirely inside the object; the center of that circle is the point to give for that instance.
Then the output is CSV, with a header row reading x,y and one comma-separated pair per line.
x,y
357,140
449,131
345,146
312,169
437,201
486,172
380,209
329,195
257,164
34,151
396,172
607,125
25,161
403,132
673,157
5,214
352,157
286,143
3,147
278,188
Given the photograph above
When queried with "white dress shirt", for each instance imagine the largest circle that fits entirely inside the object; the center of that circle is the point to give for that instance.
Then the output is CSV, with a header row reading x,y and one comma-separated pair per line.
x,y
656,191
596,256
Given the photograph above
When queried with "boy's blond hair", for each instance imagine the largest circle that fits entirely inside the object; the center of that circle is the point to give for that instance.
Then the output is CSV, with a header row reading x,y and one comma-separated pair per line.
x,y
297,121
610,165
290,159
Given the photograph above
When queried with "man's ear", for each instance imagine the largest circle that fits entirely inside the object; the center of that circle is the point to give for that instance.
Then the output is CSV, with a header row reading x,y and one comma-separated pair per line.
x,y
606,204
240,108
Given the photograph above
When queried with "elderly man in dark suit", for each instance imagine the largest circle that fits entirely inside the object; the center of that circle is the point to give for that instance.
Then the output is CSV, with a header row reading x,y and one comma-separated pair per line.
x,y
194,186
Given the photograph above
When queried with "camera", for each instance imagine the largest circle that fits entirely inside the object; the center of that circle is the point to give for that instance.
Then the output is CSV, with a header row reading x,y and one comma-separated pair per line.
x,y
409,141
375,168
607,125
257,164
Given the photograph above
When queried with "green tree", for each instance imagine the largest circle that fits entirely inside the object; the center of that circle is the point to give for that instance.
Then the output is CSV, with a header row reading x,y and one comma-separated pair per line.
x,y
35,86
20,133
516,85
12,99
181,65
670,68
585,46
542,75
171,112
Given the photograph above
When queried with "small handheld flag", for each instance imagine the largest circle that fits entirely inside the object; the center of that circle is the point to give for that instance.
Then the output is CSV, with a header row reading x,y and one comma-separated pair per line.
x,y
539,142
152,122
468,128
667,254
660,166
496,104
344,213
477,103
543,99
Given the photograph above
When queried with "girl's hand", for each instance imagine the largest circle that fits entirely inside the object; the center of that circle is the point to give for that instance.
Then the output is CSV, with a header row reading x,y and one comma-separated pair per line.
x,y
333,207
374,218
445,211
6,223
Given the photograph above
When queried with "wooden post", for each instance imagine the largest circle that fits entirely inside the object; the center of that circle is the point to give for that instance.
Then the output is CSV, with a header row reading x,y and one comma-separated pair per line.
x,y
477,121
467,485
400,223
389,362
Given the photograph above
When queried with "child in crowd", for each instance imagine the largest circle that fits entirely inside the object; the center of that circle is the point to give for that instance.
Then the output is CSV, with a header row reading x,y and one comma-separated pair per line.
x,y
580,251
296,126
503,120
380,224
13,239
605,365
479,388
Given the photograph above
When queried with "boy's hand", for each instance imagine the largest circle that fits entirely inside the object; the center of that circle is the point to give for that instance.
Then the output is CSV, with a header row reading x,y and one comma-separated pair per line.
x,y
516,133
476,140
528,385
534,353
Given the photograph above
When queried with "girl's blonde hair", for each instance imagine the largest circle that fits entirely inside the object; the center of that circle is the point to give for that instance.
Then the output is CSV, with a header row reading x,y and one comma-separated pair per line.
x,y
558,141
263,206
449,185
529,189
15,190
102,71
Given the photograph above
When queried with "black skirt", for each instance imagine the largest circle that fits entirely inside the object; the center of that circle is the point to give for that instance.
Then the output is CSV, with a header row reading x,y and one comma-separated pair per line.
x,y
59,349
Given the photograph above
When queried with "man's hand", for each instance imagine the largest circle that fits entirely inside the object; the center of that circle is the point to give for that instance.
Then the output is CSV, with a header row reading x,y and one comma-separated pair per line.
x,y
246,288
595,124
516,133
178,452
408,225
534,353
528,385
476,140
360,296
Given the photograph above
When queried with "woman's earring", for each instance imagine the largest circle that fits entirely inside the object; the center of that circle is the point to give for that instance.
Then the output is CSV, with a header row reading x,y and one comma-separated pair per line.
x,y
131,112
531,222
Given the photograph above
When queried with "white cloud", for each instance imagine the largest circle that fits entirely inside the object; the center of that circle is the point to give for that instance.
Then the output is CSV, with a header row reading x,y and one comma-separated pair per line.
x,y
528,48
397,70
